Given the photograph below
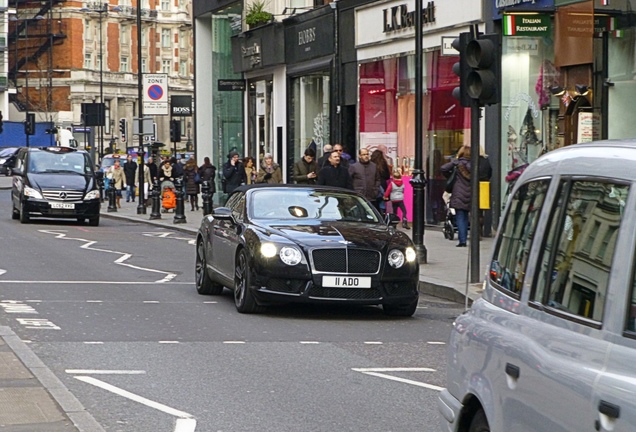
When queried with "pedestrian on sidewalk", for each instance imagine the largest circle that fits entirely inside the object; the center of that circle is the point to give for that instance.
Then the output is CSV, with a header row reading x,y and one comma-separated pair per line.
x,y
233,173
207,171
130,168
460,196
117,176
143,195
270,171
384,171
395,193
191,172
334,174
152,166
250,170
365,177
305,169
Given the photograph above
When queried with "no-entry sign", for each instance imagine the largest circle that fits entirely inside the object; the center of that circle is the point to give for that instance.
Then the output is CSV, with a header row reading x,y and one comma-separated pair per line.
x,y
155,94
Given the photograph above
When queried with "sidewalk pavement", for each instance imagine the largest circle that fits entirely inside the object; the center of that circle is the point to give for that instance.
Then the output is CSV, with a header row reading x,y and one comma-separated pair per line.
x,y
32,398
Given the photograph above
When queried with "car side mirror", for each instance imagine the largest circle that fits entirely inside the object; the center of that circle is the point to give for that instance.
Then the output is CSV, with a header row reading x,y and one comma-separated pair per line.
x,y
223,213
392,219
17,171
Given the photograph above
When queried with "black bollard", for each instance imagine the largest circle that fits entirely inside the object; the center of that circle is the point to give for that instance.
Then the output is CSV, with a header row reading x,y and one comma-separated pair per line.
x,y
179,216
207,197
112,207
156,200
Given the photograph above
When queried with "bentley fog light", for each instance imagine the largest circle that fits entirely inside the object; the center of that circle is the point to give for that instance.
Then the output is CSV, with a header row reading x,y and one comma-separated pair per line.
x,y
396,258
290,255
410,254
30,192
268,250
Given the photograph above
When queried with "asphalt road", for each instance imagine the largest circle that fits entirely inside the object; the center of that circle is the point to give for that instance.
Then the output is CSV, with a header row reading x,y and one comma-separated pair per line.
x,y
113,312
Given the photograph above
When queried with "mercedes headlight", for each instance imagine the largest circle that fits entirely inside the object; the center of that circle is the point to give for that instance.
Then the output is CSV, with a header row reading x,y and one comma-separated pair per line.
x,y
30,192
290,255
94,194
268,250
411,255
396,258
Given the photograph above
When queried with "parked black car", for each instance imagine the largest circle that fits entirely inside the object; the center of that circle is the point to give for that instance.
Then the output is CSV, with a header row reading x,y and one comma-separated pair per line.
x,y
55,182
7,159
300,243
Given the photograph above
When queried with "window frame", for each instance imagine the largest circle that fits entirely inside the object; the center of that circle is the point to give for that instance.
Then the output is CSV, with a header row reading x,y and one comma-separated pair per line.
x,y
566,182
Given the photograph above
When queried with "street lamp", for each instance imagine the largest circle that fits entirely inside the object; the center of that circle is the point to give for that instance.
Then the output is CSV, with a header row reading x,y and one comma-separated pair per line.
x,y
100,8
27,59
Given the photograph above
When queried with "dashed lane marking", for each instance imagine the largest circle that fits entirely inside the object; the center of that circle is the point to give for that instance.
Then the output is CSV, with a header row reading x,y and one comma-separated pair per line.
x,y
104,372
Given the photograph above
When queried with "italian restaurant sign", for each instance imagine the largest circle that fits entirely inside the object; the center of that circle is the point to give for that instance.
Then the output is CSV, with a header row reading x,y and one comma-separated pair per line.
x,y
526,25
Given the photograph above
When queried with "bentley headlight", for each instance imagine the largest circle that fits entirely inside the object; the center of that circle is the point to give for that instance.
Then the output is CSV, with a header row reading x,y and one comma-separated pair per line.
x,y
94,194
2,161
30,192
268,250
410,254
290,255
396,258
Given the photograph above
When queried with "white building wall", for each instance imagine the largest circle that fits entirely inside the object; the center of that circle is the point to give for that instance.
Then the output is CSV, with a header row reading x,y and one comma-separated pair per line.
x,y
203,103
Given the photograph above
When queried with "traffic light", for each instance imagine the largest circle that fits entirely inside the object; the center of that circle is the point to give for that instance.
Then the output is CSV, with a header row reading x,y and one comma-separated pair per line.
x,y
175,131
461,69
123,130
482,56
1,125
29,124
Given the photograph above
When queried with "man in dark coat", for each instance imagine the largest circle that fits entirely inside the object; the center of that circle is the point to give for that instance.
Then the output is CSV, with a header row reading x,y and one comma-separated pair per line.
x,y
233,172
130,168
334,174
365,176
152,166
305,170
322,160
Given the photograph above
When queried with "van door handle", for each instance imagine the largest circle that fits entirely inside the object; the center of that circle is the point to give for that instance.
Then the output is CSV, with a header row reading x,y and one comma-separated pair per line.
x,y
513,370
609,409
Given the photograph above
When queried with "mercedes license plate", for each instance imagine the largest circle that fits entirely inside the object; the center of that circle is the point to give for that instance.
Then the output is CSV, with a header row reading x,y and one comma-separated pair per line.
x,y
65,206
346,282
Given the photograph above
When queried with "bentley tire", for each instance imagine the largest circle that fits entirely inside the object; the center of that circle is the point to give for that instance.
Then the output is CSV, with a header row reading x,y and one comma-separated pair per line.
x,y
243,297
205,285
24,216
94,221
15,214
404,310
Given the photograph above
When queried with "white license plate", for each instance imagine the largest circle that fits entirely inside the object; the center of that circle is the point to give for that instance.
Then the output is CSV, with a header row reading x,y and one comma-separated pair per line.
x,y
62,206
346,282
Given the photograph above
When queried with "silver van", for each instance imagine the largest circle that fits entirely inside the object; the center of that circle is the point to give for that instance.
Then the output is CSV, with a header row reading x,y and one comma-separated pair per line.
x,y
551,344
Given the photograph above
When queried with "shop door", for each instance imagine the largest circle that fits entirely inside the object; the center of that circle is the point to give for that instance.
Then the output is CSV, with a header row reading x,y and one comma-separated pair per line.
x,y
260,120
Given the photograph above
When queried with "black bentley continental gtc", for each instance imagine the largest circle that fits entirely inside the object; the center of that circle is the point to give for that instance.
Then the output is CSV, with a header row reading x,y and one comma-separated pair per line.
x,y
297,243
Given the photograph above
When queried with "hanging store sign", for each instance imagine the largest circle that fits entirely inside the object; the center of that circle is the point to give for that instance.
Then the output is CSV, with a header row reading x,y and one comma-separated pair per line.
x,y
181,106
231,84
527,25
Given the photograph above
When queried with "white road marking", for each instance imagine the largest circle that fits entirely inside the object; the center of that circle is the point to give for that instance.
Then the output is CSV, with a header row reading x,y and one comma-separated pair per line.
x,y
373,343
436,343
375,372
2,271
233,342
34,301
169,235
309,342
403,369
168,342
93,301
121,260
210,302
37,323
94,343
150,301
188,426
104,372
90,282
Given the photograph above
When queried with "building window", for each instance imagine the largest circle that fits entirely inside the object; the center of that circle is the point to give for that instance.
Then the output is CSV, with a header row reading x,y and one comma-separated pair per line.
x,y
123,65
98,62
124,37
166,66
165,5
88,61
87,30
183,39
165,38
144,65
183,68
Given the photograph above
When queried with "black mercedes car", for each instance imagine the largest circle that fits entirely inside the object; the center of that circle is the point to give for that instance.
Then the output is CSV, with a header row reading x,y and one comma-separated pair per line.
x,y
297,243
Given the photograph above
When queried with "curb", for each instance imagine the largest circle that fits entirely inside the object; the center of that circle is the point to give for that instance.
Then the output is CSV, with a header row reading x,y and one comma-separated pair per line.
x,y
69,404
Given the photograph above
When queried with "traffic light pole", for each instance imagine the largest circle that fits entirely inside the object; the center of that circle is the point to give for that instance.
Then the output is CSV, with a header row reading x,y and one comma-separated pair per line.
x,y
475,226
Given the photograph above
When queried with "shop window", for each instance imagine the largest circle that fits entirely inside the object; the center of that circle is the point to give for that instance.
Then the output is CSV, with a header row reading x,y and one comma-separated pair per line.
x,y
574,270
508,267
